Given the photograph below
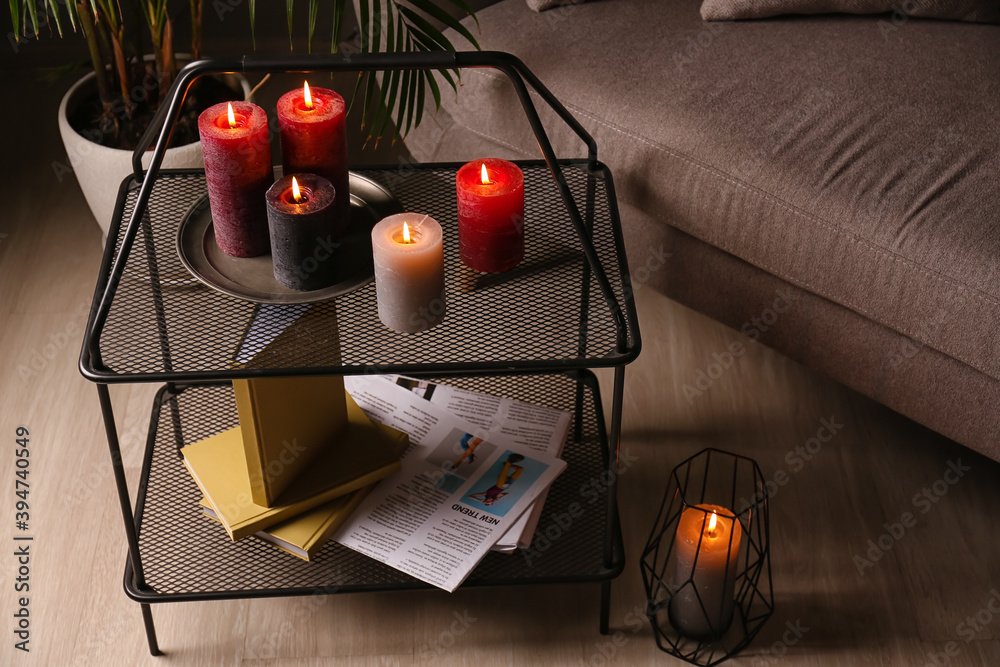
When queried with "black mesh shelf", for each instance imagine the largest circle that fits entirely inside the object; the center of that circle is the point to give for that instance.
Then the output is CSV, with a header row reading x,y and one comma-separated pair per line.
x,y
567,307
547,314
187,556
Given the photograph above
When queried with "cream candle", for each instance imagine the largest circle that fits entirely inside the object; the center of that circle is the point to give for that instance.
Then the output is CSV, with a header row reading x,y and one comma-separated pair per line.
x,y
706,552
409,271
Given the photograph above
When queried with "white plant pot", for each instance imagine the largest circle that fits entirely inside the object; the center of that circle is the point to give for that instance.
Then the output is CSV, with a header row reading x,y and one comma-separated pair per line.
x,y
100,170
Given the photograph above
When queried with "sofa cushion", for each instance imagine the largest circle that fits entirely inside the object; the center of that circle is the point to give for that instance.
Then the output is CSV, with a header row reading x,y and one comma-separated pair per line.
x,y
856,164
981,11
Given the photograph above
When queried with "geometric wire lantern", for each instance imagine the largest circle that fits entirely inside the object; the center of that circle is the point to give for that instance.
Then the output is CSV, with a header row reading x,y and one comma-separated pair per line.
x,y
706,566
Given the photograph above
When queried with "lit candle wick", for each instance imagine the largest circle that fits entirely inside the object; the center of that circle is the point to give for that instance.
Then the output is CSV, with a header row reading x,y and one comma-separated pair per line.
x,y
307,96
712,524
232,117
485,176
296,195
406,234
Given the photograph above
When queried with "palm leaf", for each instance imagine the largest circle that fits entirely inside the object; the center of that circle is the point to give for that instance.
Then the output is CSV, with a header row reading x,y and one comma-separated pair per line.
x,y
15,15
404,99
33,13
288,11
313,11
395,83
54,10
421,94
252,4
432,10
338,24
465,7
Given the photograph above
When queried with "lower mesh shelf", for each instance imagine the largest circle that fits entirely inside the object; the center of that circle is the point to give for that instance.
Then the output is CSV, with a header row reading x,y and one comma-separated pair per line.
x,y
186,556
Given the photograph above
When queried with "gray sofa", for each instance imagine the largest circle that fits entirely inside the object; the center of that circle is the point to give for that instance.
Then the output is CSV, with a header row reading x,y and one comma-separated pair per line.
x,y
850,159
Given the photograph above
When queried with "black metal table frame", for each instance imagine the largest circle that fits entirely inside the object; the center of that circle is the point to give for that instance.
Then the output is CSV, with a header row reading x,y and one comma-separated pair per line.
x,y
113,265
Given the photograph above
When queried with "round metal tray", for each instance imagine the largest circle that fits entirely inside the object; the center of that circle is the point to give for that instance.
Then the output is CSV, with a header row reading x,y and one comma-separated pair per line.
x,y
252,278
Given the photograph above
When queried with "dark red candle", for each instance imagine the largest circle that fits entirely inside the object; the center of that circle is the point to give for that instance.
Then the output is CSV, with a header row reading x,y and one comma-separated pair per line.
x,y
237,148
301,216
490,215
312,122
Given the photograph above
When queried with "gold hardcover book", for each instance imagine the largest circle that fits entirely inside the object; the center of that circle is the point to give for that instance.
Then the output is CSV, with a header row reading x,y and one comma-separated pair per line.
x,y
286,424
304,535
362,454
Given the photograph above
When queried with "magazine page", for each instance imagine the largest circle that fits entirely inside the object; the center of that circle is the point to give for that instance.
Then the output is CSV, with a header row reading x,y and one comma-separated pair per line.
x,y
456,495
540,428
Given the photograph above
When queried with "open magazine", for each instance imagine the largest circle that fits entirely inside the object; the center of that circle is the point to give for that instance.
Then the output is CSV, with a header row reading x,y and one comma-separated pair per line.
x,y
503,420
460,489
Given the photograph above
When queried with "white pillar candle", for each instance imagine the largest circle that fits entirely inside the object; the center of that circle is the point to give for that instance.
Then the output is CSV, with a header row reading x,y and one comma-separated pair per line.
x,y
409,272
706,550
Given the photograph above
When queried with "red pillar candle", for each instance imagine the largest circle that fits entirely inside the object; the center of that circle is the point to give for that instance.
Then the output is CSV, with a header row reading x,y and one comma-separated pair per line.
x,y
237,148
301,216
490,215
313,126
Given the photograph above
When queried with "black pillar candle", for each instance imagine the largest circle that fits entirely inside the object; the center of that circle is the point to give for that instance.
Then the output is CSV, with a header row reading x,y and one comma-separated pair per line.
x,y
302,220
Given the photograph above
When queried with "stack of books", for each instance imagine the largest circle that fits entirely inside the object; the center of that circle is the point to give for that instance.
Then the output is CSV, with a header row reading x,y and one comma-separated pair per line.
x,y
302,458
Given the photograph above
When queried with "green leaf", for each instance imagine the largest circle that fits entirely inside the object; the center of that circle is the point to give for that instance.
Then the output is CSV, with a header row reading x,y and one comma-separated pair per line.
x,y
432,83
386,102
289,4
420,25
71,12
404,101
253,15
313,11
369,95
421,88
432,10
15,16
376,39
464,6
54,9
357,89
390,41
338,24
33,13
363,26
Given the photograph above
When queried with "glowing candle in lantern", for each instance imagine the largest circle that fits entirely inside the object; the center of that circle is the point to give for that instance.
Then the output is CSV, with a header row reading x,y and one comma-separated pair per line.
x,y
312,122
302,222
237,149
704,575
490,215
409,272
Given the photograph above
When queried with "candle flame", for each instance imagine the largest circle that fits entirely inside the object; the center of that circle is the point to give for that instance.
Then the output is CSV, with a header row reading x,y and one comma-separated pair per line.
x,y
232,117
713,522
485,176
406,233
307,96
296,195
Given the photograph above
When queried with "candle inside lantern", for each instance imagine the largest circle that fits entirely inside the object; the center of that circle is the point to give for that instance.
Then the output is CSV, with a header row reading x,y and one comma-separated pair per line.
x,y
302,222
409,272
312,123
237,149
706,550
490,215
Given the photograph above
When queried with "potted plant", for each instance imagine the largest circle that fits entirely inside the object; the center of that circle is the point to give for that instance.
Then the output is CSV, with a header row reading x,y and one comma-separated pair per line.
x,y
135,62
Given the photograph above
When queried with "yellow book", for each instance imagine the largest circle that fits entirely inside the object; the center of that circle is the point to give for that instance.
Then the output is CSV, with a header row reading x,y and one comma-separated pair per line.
x,y
286,423
304,535
361,454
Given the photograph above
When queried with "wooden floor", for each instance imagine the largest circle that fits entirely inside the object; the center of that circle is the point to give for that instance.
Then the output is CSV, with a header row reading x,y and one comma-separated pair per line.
x,y
911,603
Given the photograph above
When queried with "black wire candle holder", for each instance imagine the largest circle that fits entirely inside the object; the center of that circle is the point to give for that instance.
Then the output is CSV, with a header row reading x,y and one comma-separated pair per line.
x,y
706,566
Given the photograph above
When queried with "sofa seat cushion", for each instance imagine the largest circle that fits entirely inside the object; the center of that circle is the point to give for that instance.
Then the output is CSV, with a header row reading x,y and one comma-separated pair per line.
x,y
854,163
